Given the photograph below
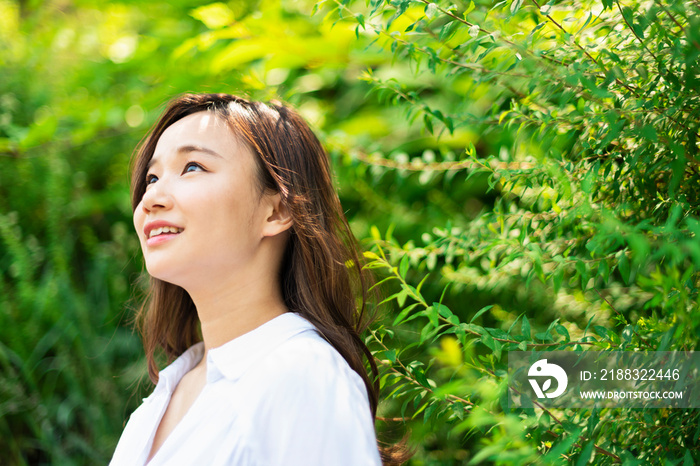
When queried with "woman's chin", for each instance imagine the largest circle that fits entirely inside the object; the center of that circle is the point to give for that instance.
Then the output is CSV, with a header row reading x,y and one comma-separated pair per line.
x,y
167,276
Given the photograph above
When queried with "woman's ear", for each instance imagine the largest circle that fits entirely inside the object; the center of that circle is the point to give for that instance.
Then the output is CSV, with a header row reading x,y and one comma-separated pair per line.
x,y
278,218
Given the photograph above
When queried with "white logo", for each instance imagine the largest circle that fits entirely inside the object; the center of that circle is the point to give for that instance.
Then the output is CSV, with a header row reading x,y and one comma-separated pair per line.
x,y
542,369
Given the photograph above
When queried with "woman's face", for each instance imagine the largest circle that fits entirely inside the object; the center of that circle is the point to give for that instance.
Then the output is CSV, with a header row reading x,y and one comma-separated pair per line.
x,y
201,215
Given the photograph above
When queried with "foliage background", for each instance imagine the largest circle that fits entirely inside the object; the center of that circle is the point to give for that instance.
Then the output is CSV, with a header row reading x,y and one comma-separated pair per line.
x,y
523,175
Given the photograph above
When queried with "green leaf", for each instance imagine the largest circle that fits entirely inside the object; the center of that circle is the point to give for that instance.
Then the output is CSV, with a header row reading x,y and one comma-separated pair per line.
x,y
642,71
558,278
428,333
688,458
370,255
403,266
401,297
404,313
649,132
586,454
512,326
590,321
497,348
420,285
469,9
601,331
515,6
429,412
431,10
623,265
488,340
433,315
428,124
561,330
604,270
590,16
443,310
562,446
481,311
666,339
583,272
214,16
593,421
525,327
389,298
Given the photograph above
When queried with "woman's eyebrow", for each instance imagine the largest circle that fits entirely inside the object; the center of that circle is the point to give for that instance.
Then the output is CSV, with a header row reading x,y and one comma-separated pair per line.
x,y
182,150
192,148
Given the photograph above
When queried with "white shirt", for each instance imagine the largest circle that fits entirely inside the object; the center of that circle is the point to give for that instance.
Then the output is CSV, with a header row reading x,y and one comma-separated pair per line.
x,y
278,395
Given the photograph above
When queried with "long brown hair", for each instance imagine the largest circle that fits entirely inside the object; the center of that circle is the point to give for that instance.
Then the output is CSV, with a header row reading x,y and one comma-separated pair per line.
x,y
321,276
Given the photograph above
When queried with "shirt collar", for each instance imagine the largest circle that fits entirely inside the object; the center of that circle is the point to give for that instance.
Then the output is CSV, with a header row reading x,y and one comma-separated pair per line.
x,y
169,377
232,359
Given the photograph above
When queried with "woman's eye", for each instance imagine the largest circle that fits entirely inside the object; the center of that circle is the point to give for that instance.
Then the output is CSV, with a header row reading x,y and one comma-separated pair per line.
x,y
150,179
192,167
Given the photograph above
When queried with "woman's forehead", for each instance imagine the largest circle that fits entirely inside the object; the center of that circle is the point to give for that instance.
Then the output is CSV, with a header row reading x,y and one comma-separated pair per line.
x,y
205,123
202,130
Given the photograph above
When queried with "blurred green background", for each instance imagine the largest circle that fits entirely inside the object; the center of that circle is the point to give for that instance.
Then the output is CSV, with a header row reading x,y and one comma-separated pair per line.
x,y
523,175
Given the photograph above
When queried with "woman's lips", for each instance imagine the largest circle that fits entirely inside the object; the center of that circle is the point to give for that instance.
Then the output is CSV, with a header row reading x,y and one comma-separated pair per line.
x,y
162,238
159,231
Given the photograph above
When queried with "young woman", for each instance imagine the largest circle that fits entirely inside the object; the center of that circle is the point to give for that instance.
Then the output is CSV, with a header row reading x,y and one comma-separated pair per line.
x,y
253,295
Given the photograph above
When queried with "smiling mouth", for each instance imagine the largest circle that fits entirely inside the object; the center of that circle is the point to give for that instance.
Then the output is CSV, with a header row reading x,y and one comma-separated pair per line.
x,y
164,231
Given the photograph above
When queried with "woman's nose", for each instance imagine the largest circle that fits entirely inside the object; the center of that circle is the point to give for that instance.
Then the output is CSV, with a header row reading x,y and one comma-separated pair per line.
x,y
157,197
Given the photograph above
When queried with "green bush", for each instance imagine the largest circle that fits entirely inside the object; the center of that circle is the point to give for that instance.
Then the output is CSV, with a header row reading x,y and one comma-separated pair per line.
x,y
581,119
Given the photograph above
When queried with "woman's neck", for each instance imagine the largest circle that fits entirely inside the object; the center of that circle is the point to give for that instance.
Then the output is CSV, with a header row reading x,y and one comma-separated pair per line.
x,y
236,308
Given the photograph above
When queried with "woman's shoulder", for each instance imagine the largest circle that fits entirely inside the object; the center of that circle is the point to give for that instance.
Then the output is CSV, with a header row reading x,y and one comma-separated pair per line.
x,y
301,403
288,351
307,358
287,370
